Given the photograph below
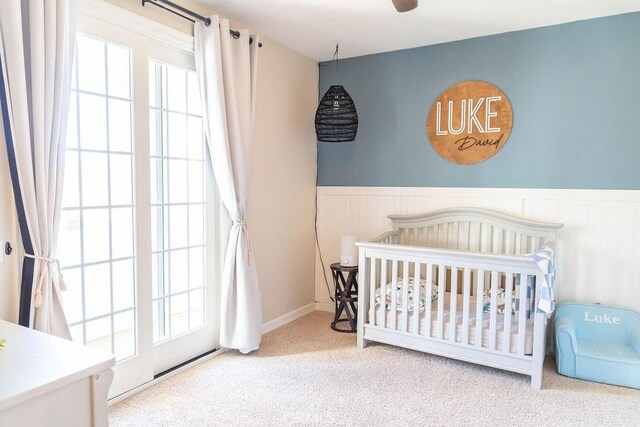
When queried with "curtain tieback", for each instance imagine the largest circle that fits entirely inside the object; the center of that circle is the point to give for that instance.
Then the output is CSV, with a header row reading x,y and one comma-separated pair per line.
x,y
245,230
43,275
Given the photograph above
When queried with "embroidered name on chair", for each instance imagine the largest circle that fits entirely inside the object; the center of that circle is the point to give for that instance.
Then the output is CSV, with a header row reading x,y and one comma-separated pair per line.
x,y
601,318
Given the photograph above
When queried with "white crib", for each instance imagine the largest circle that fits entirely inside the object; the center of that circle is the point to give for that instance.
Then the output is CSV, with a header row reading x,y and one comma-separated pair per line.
x,y
469,259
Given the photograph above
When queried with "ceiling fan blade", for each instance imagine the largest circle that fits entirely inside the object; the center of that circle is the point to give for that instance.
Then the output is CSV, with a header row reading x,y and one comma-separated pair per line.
x,y
405,5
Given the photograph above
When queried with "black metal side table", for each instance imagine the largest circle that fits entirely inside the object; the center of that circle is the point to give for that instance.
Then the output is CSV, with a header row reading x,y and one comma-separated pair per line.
x,y
346,296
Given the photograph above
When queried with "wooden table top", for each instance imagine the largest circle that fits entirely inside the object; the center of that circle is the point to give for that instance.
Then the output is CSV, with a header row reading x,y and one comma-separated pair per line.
x,y
337,266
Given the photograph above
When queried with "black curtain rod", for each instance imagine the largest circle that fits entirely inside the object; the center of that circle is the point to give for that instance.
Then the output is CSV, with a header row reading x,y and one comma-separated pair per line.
x,y
189,15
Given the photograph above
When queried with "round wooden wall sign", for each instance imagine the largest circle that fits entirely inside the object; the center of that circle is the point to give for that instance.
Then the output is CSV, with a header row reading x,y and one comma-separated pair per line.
x,y
469,122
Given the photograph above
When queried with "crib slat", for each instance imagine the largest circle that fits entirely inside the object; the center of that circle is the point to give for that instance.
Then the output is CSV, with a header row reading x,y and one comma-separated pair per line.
x,y
427,307
416,297
525,244
497,240
451,241
441,295
487,278
444,236
486,231
445,229
509,243
535,244
454,303
466,291
473,237
405,295
468,235
493,310
383,293
394,293
434,236
522,313
479,307
474,282
373,267
508,294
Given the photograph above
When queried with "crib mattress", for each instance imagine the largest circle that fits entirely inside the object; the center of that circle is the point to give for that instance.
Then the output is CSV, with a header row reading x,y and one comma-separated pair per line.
x,y
485,324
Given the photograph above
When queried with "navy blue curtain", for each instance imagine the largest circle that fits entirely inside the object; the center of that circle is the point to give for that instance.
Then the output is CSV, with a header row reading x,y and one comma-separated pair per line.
x,y
28,264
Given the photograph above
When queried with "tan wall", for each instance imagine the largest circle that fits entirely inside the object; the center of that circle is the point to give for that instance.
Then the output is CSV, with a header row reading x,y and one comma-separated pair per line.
x,y
281,207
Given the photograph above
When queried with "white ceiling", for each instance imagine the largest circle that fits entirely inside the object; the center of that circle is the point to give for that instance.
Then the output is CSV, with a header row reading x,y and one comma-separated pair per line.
x,y
362,27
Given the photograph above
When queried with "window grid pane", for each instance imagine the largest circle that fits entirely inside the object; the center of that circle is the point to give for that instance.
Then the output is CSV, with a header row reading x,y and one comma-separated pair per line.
x,y
98,202
177,200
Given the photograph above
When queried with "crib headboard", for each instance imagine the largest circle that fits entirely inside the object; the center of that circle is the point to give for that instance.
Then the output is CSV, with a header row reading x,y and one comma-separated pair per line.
x,y
471,229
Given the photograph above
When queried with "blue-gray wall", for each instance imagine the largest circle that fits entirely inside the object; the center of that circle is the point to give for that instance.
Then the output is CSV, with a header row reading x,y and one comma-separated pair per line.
x,y
574,90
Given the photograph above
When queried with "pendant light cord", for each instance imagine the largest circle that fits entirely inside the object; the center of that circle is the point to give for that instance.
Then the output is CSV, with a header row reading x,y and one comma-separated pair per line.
x,y
324,270
336,57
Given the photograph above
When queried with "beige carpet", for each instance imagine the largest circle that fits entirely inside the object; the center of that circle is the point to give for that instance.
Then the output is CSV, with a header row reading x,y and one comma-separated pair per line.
x,y
306,374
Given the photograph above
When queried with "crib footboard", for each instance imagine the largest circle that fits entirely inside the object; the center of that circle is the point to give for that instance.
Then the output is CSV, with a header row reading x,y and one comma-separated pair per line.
x,y
469,306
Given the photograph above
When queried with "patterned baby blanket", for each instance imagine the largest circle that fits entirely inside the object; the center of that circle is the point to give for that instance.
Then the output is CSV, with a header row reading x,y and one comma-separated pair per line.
x,y
501,301
410,292
486,298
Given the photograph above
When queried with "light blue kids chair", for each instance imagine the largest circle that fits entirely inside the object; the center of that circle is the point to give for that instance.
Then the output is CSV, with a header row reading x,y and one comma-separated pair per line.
x,y
598,343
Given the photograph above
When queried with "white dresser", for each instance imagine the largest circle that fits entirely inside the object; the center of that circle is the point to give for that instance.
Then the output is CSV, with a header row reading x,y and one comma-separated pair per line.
x,y
49,381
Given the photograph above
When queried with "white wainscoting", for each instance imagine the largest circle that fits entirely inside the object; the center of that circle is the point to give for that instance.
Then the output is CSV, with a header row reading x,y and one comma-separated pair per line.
x,y
600,239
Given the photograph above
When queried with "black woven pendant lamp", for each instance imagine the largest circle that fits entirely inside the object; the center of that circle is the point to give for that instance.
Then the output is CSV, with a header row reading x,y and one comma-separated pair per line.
x,y
336,116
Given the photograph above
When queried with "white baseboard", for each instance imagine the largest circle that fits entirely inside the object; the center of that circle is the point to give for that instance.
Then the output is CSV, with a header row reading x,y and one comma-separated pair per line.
x,y
325,306
286,318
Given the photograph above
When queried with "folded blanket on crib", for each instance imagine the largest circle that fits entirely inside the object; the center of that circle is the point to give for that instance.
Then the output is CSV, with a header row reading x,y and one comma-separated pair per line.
x,y
544,257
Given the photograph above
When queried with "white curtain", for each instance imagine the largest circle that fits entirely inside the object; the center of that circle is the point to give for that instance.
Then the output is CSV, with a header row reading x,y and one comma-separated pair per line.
x,y
226,67
36,47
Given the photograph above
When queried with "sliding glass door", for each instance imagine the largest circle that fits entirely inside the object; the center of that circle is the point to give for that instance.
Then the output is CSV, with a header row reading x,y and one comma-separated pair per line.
x,y
182,197
138,228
